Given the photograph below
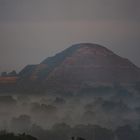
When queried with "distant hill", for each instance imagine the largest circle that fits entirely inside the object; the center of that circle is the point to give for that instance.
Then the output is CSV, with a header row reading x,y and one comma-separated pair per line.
x,y
79,65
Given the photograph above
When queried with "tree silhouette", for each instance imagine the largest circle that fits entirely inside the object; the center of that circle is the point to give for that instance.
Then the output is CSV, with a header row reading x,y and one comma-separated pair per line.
x,y
11,136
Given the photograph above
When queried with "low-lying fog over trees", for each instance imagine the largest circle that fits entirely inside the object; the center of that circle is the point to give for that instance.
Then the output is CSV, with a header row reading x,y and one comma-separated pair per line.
x,y
86,114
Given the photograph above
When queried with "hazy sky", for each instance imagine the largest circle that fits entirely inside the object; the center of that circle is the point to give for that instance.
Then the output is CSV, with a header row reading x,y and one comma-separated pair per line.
x,y
31,30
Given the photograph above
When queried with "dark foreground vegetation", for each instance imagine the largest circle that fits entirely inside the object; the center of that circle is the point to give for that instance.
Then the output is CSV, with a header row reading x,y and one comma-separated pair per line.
x,y
78,132
11,136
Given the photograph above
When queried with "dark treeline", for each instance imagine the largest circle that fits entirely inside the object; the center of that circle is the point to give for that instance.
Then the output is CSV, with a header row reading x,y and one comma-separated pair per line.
x,y
79,132
85,132
11,136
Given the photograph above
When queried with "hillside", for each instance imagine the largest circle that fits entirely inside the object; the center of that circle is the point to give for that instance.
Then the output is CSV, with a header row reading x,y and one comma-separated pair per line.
x,y
78,66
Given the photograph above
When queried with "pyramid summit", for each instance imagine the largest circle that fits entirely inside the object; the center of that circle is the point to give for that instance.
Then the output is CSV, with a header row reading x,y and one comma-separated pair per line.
x,y
76,47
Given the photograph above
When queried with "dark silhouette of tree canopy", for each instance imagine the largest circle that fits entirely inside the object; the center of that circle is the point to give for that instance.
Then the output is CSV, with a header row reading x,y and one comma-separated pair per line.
x,y
63,131
4,74
11,136
78,138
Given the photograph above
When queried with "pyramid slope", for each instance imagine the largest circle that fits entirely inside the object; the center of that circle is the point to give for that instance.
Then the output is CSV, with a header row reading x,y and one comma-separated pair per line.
x,y
77,66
